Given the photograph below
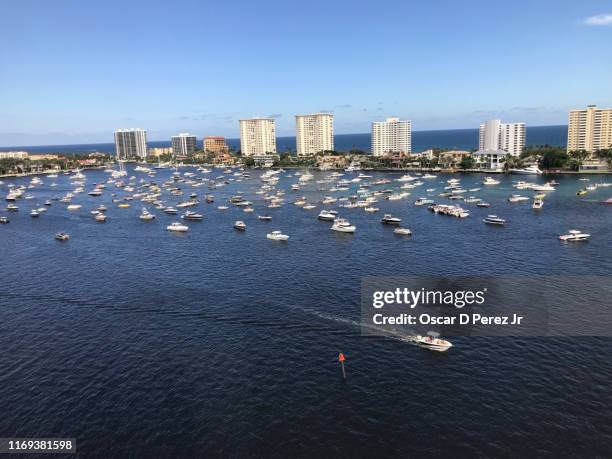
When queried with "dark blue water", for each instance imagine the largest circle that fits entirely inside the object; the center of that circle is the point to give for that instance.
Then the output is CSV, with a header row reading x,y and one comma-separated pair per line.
x,y
146,344
460,139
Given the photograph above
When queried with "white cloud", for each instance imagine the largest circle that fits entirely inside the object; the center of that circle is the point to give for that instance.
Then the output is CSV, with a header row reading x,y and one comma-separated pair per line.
x,y
599,20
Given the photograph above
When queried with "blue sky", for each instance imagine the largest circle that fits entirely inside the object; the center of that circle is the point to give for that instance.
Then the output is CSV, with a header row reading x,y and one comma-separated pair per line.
x,y
72,71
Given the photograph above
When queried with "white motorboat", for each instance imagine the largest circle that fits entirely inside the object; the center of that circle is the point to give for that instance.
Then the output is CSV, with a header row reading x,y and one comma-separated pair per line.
x,y
222,208
277,236
494,220
574,235
4,220
240,225
328,215
343,226
170,210
517,198
389,219
34,213
490,181
146,215
189,215
74,207
371,209
483,204
433,342
100,218
423,201
537,204
177,227
264,217
402,231
62,236
12,207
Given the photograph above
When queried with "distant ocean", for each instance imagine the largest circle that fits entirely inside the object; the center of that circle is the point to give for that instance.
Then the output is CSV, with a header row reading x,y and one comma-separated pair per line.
x,y
460,139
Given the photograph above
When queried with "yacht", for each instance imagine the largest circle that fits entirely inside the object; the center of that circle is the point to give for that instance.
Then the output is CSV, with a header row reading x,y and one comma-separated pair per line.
x,y
517,198
545,187
490,181
222,207
73,206
574,235
402,231
189,215
47,203
343,226
537,204
177,227
4,220
329,215
34,213
432,341
171,211
494,220
277,236
100,218
389,219
483,204
266,218
371,209
62,236
423,201
429,176
530,170
240,225
146,215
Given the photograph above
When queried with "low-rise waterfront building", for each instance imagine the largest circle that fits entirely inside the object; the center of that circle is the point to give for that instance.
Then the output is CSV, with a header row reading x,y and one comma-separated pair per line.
x,y
215,145
589,129
156,152
452,158
326,162
491,159
131,144
14,155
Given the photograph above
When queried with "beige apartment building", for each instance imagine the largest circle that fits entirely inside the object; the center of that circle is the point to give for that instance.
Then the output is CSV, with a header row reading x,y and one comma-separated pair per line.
x,y
215,144
314,133
257,136
589,129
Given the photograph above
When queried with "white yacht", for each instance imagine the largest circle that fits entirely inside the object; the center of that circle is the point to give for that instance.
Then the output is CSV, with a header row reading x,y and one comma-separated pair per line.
x,y
423,201
101,218
433,342
277,236
146,215
530,170
343,226
402,231
574,235
329,215
517,198
177,227
494,220
240,225
74,207
490,181
190,215
390,220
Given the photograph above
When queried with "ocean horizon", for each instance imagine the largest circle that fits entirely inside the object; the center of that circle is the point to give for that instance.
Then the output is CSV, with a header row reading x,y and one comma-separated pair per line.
x,y
460,139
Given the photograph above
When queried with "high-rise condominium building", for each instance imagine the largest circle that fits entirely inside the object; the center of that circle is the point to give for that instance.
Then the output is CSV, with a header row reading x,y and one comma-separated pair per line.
x,y
257,136
130,144
183,144
589,129
314,133
215,144
508,137
392,135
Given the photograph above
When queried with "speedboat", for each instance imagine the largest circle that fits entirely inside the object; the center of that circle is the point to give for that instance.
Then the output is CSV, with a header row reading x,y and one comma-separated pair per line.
x,y
34,213
277,236
73,207
222,207
62,236
4,220
240,225
494,220
264,217
574,235
537,204
177,227
483,204
12,208
371,209
402,231
582,191
328,215
389,219
170,210
100,218
343,226
189,215
433,342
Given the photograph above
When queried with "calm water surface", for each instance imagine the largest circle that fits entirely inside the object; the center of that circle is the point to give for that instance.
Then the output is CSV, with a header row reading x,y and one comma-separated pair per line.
x,y
143,343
